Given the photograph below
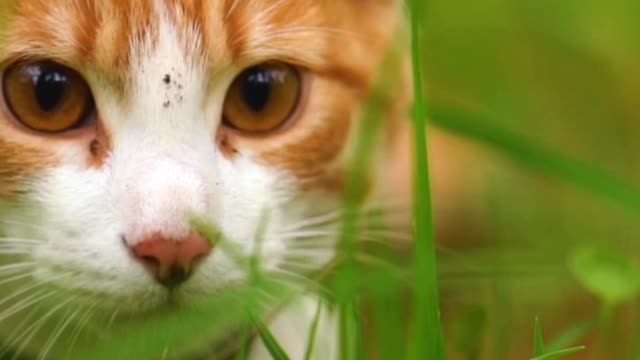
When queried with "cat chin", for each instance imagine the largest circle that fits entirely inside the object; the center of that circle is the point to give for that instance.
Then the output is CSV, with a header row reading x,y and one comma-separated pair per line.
x,y
152,300
99,315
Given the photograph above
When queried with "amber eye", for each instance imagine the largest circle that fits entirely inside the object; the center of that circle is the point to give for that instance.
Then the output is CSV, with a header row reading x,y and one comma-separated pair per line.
x,y
47,97
262,98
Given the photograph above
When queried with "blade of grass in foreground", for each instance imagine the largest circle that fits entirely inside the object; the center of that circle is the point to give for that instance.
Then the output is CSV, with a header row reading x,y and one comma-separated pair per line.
x,y
350,274
313,332
351,342
255,275
173,334
275,350
428,341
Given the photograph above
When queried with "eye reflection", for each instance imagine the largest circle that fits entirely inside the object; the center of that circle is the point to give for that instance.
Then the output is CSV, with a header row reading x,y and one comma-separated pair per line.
x,y
262,98
47,97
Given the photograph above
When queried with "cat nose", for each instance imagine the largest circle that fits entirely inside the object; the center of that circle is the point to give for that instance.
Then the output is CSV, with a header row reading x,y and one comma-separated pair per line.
x,y
172,261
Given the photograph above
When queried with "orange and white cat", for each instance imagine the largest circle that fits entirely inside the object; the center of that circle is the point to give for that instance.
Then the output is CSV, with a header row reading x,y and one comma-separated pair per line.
x,y
122,119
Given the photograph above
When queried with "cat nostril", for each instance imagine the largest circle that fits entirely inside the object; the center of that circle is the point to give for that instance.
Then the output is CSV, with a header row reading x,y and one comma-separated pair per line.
x,y
176,276
150,263
171,261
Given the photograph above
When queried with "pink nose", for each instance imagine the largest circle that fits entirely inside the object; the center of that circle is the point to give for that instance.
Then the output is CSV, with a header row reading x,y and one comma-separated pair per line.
x,y
172,261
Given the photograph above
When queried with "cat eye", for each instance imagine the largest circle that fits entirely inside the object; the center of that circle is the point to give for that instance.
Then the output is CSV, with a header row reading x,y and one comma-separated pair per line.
x,y
263,98
47,97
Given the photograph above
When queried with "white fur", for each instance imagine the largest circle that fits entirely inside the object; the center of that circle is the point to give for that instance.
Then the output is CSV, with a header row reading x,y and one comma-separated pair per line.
x,y
165,166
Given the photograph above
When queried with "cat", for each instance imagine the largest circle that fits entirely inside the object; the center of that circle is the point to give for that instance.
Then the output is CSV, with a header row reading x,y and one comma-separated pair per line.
x,y
123,119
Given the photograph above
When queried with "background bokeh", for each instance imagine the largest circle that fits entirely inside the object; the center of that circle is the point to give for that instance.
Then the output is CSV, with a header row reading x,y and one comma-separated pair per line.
x,y
559,76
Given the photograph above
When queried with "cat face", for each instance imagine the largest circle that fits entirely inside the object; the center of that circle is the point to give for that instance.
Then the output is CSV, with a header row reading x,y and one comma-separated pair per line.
x,y
122,120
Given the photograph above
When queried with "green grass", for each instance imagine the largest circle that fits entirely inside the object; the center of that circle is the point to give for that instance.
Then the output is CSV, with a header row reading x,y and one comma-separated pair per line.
x,y
427,337
549,235
526,152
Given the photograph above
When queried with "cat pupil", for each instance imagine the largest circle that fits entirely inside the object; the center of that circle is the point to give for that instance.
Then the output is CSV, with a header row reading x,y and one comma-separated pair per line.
x,y
50,88
256,89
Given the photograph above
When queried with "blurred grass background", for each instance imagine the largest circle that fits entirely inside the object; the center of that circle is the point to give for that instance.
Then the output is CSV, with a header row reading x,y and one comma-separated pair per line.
x,y
564,78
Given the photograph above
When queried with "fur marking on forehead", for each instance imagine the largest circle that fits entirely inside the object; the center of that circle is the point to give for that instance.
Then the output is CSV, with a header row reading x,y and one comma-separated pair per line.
x,y
104,35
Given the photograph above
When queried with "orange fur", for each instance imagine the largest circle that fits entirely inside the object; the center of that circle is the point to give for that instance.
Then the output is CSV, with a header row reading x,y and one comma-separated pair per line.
x,y
19,163
87,35
340,43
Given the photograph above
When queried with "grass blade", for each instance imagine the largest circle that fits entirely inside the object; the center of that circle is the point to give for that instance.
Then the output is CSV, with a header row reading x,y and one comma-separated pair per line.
x,y
275,349
428,338
573,335
538,339
389,318
351,347
245,349
171,335
313,332
561,353
590,178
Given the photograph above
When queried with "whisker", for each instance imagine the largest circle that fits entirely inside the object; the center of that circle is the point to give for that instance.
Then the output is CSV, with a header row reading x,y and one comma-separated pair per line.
x,y
332,240
30,300
16,267
35,285
309,234
17,240
300,264
313,221
9,343
35,327
388,219
51,334
283,276
57,333
7,252
390,234
310,252
312,244
360,258
82,323
21,223
112,319
15,247
14,278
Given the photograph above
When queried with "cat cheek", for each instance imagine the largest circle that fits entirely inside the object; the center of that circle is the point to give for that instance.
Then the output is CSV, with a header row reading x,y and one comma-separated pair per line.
x,y
19,166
